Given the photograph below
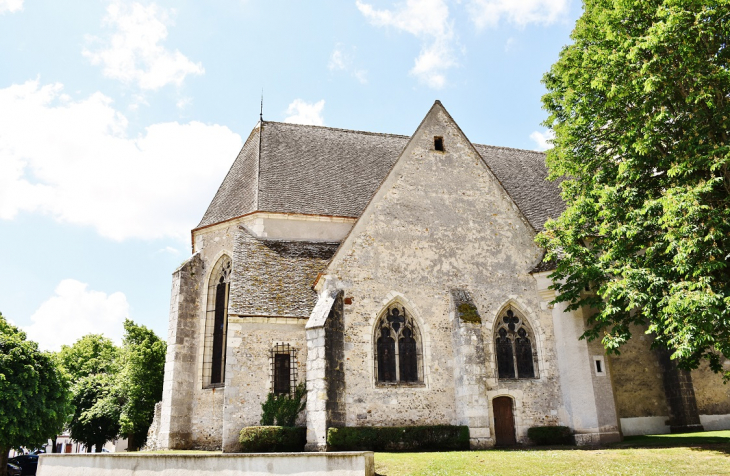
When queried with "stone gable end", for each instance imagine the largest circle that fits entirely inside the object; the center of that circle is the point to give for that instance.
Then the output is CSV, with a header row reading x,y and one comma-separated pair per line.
x,y
440,221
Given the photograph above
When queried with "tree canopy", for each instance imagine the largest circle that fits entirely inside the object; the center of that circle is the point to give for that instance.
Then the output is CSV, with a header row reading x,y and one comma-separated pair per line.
x,y
142,376
34,396
115,389
92,354
640,110
92,362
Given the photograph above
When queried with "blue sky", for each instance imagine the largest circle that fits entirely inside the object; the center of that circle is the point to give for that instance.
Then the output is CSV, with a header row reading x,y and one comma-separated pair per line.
x,y
119,120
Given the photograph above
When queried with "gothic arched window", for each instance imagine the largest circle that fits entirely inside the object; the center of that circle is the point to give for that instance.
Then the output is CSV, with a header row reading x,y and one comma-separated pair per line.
x,y
216,320
514,347
397,348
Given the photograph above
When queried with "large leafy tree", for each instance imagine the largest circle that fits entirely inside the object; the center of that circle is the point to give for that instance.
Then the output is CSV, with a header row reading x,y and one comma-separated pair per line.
x,y
93,363
34,395
641,114
140,381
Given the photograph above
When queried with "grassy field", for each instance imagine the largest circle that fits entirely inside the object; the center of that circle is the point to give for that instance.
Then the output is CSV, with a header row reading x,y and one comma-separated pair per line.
x,y
691,454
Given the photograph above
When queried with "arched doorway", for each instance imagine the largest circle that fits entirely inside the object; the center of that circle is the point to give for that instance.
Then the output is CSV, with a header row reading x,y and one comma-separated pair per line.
x,y
504,422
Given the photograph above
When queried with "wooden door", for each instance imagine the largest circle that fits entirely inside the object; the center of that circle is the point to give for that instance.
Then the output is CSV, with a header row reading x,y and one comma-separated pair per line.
x,y
504,422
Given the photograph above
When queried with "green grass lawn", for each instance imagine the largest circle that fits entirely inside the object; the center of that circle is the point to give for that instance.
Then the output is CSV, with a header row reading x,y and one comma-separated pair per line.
x,y
691,454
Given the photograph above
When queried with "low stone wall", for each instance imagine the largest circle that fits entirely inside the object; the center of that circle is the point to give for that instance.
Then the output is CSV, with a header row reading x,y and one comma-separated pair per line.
x,y
355,463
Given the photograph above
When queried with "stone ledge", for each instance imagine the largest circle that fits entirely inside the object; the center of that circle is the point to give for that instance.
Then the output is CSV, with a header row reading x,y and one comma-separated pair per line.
x,y
347,463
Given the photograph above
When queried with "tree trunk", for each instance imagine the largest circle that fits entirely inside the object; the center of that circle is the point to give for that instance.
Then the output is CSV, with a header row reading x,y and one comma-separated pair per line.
x,y
53,448
4,460
98,446
131,444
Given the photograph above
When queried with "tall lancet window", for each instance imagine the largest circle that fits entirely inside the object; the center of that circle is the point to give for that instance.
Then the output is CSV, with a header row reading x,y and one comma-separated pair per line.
x,y
397,353
216,321
514,345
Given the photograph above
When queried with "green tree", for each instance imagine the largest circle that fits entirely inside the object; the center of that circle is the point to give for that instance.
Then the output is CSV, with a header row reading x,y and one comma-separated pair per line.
x,y
97,408
140,381
34,395
93,363
92,354
640,110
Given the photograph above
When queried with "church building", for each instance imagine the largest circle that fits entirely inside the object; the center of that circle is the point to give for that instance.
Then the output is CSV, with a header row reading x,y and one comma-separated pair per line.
x,y
398,278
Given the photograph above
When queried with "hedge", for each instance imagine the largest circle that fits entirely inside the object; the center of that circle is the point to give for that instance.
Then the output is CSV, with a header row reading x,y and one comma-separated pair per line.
x,y
268,439
551,435
399,438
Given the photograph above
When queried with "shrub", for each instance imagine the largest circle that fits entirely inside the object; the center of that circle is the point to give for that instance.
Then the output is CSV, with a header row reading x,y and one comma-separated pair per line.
x,y
283,409
551,435
267,439
399,438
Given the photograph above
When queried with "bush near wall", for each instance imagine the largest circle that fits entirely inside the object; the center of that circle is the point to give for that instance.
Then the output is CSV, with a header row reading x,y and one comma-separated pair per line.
x,y
551,435
399,438
268,439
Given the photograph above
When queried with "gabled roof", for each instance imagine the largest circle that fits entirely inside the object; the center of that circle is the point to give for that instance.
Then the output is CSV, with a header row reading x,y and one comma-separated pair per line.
x,y
316,170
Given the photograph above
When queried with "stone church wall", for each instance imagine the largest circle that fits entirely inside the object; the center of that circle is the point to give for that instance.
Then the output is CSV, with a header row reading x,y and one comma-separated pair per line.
x,y
713,396
207,402
641,396
249,372
440,221
179,381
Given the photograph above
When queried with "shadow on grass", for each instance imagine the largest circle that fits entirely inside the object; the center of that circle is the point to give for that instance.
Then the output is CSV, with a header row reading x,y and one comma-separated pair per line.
x,y
713,438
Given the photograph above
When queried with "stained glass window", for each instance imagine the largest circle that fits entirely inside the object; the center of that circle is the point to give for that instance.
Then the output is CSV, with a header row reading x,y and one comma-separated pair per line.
x,y
513,347
402,362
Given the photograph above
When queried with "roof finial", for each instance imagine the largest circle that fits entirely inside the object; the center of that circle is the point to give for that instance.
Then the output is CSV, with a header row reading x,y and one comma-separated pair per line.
x,y
261,113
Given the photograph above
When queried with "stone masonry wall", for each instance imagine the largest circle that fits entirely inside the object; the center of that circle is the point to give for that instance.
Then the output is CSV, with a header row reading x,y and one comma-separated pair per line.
x,y
470,369
248,369
207,402
175,423
440,221
713,396
637,378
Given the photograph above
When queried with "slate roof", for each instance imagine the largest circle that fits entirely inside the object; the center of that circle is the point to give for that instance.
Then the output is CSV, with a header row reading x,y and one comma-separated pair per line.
x,y
274,278
325,171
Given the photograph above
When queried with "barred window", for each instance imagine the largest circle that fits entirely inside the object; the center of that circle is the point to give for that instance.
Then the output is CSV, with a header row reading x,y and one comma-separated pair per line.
x,y
283,361
397,348
514,347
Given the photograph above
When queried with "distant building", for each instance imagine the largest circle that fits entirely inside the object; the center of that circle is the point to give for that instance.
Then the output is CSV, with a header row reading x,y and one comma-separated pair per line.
x,y
399,278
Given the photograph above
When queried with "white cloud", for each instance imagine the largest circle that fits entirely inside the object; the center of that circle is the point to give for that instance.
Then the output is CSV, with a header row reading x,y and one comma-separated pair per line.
x,y
508,45
74,311
542,138
300,112
170,250
184,102
488,13
340,60
429,21
134,53
10,6
73,160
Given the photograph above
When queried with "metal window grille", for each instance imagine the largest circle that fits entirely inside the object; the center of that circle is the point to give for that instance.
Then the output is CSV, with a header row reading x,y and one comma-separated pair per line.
x,y
283,362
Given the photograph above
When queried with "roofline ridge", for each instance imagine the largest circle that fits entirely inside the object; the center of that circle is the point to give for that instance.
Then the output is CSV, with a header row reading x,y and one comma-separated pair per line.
x,y
403,136
511,148
280,240
339,129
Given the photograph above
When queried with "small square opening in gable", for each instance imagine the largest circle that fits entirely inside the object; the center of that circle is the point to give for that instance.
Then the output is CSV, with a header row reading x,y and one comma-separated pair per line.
x,y
438,143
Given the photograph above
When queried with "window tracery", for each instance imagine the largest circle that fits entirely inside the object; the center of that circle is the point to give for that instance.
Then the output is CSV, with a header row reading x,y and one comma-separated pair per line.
x,y
397,348
514,347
